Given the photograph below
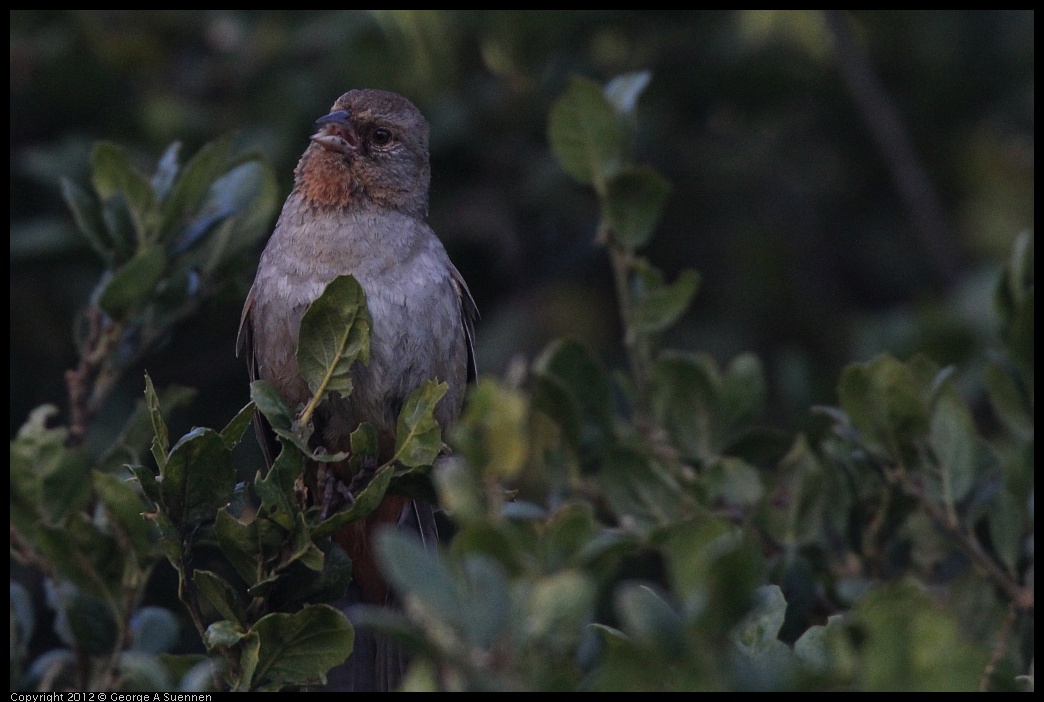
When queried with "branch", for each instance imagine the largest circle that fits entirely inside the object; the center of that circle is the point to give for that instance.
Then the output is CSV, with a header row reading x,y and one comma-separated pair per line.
x,y
885,124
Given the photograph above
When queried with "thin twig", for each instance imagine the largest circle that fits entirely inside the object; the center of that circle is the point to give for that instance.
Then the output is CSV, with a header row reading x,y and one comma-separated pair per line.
x,y
885,124
1000,647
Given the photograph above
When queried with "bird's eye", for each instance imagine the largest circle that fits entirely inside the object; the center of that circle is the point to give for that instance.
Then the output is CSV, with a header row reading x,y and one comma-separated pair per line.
x,y
381,136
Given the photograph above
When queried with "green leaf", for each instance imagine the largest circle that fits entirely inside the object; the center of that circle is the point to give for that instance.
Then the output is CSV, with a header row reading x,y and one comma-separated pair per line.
x,y
249,653
335,332
191,185
640,491
566,533
573,389
1009,397
1015,299
401,556
814,648
493,432
132,284
685,392
743,391
365,503
161,441
247,195
1005,524
733,482
125,506
886,402
198,477
113,175
221,595
418,437
299,648
486,592
249,547
760,628
557,610
365,444
269,402
87,214
276,488
649,620
714,571
460,489
139,431
908,643
233,432
48,480
85,555
658,306
223,633
953,439
585,133
633,203
143,671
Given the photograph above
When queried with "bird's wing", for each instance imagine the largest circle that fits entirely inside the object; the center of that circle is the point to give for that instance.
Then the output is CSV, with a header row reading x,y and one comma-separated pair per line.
x,y
245,344
468,314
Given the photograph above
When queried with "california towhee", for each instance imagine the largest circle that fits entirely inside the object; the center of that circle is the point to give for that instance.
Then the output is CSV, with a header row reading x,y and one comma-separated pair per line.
x,y
358,206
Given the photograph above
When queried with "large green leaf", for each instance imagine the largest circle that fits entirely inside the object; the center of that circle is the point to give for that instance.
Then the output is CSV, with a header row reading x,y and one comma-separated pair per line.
x,y
335,333
401,557
493,432
113,176
586,133
198,477
48,479
299,648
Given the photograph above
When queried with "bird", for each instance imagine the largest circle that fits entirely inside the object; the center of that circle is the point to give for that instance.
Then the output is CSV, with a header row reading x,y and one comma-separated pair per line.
x,y
359,206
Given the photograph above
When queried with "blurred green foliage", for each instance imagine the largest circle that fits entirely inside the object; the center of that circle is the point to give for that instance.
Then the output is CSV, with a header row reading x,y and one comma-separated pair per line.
x,y
779,197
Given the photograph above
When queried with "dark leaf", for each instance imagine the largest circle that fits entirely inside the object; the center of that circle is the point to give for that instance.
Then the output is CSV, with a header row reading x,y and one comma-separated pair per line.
x,y
585,132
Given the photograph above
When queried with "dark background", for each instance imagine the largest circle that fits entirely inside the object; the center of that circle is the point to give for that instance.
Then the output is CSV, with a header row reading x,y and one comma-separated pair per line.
x,y
831,218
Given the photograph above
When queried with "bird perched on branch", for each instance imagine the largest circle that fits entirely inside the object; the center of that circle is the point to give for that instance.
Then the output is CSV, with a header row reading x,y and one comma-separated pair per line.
x,y
358,207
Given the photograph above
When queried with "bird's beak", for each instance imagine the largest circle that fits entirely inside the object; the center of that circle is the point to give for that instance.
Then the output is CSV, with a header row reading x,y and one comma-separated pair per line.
x,y
336,132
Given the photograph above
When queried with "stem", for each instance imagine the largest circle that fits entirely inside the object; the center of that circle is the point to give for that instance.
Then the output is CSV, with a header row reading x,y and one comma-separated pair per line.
x,y
636,344
1020,597
885,124
1000,647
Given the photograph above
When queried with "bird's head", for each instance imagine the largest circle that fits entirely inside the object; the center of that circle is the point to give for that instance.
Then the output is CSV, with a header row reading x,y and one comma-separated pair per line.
x,y
371,147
